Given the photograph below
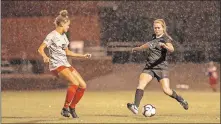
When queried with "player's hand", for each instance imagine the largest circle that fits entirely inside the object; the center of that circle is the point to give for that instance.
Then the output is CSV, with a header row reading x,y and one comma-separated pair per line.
x,y
87,55
163,45
46,59
135,49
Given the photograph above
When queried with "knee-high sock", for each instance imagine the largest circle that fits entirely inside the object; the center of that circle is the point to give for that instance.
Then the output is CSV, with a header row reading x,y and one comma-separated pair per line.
x,y
71,91
138,96
175,96
77,97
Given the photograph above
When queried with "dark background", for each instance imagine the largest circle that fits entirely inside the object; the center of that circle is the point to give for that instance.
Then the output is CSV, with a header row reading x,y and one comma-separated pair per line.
x,y
194,26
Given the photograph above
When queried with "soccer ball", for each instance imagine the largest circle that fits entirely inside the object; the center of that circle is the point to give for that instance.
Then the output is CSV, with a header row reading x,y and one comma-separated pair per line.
x,y
148,110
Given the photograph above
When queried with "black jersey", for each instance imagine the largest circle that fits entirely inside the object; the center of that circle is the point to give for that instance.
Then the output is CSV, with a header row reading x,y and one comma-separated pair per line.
x,y
157,56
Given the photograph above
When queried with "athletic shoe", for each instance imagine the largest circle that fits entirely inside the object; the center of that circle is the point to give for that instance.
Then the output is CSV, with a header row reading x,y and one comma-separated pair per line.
x,y
73,113
185,105
65,112
132,108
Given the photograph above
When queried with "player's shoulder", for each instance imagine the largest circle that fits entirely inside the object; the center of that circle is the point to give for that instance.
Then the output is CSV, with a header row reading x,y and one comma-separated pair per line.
x,y
65,35
214,68
167,37
154,36
53,33
50,36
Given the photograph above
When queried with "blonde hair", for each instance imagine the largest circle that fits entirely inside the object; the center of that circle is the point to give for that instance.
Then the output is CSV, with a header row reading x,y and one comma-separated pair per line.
x,y
162,22
61,18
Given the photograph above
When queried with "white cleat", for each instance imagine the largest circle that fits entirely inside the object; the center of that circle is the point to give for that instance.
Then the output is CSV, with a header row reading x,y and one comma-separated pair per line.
x,y
132,108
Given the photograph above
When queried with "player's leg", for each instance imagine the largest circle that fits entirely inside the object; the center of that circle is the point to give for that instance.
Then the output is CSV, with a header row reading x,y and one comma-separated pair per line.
x,y
168,91
79,93
213,86
162,77
213,82
144,79
71,91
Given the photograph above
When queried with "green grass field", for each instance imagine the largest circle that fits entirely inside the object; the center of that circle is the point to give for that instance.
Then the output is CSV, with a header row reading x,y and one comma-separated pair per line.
x,y
108,107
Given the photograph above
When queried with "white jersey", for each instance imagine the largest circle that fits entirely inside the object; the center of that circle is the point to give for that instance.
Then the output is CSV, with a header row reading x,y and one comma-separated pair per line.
x,y
57,43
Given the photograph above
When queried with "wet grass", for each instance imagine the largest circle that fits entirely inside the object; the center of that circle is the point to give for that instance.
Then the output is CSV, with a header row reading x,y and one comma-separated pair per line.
x,y
108,107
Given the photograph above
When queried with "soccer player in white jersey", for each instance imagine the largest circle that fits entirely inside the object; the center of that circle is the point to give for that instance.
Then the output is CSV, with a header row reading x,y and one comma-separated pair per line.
x,y
57,43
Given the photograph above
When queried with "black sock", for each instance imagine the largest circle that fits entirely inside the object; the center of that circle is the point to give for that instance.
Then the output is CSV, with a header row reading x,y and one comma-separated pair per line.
x,y
177,97
138,97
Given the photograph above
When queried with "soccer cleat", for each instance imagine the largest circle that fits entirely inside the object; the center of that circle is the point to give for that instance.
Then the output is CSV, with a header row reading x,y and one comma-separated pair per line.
x,y
73,113
132,108
185,105
65,112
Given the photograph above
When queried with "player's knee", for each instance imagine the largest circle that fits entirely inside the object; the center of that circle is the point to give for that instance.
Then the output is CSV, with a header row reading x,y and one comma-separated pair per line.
x,y
83,86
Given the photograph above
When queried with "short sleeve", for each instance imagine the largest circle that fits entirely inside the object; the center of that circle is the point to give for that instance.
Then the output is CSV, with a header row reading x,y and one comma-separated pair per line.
x,y
48,40
168,39
153,36
148,44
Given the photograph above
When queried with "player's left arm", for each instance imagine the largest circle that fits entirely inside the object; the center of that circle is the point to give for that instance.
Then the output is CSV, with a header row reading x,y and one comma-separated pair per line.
x,y
168,45
72,54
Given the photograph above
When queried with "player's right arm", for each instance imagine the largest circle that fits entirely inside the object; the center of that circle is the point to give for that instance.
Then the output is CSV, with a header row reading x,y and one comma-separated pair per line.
x,y
47,42
140,48
150,44
42,53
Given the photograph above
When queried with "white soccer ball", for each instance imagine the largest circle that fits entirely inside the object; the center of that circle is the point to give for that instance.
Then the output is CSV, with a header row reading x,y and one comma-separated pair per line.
x,y
148,110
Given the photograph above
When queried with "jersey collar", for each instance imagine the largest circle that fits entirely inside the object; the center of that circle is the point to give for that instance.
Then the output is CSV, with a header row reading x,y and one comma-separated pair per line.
x,y
160,36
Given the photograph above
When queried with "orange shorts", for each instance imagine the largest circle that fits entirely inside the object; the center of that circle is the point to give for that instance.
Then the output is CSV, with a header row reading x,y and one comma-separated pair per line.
x,y
60,68
212,80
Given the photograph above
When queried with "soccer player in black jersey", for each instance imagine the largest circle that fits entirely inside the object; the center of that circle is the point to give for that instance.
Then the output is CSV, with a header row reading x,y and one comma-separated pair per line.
x,y
156,65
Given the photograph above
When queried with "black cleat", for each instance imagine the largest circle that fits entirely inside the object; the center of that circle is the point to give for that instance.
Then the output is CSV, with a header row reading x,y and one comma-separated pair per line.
x,y
73,113
132,108
65,112
185,105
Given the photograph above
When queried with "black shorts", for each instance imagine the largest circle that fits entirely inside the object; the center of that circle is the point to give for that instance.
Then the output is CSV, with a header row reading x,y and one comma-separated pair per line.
x,y
157,73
